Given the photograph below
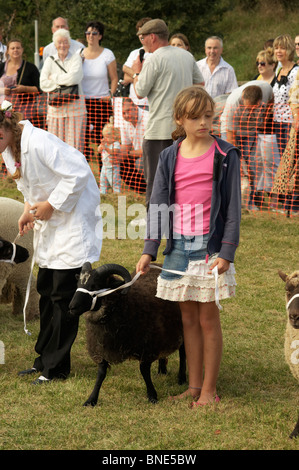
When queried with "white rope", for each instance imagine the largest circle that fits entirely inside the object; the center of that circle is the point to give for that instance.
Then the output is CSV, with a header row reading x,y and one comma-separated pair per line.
x,y
291,300
37,228
12,259
103,292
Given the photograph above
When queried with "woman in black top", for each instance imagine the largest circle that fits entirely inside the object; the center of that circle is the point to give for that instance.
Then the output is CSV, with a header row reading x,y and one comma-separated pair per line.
x,y
19,80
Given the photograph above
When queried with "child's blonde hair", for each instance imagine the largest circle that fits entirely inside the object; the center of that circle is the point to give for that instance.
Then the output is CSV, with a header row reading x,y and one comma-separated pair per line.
x,y
109,129
200,99
9,121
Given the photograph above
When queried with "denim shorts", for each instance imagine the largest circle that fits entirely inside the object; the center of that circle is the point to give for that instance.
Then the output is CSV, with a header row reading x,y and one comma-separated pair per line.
x,y
185,248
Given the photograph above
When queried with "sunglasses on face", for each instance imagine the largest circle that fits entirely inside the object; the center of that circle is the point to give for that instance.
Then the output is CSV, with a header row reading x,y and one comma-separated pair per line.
x,y
261,63
296,43
93,33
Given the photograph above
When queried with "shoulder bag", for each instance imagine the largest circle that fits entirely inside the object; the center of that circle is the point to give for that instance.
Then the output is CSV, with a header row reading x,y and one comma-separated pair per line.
x,y
64,93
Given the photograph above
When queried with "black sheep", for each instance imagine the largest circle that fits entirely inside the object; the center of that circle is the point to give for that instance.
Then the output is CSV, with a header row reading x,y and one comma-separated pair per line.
x,y
131,323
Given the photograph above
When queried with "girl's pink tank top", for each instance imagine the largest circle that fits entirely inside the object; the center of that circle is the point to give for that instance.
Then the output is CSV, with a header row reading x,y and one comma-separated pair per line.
x,y
193,192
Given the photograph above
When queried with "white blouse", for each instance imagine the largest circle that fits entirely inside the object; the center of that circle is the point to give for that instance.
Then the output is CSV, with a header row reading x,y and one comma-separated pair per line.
x,y
95,81
282,110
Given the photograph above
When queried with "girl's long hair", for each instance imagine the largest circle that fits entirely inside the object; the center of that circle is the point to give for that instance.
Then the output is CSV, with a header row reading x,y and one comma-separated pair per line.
x,y
9,121
199,99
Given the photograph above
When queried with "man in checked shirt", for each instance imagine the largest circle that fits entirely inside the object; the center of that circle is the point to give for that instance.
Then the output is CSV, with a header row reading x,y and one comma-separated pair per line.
x,y
219,76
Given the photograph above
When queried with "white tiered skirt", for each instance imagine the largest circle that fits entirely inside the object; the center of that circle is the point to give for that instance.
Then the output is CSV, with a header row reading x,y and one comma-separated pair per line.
x,y
197,285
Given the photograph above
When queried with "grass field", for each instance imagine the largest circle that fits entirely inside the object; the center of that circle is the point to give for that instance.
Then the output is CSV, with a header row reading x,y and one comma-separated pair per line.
x,y
259,404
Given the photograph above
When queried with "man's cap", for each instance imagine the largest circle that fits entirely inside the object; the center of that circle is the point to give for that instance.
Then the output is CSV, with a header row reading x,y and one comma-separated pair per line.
x,y
153,26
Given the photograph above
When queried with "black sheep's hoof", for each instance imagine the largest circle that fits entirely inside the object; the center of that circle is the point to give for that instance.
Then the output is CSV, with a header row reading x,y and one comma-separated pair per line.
x,y
90,403
153,400
294,434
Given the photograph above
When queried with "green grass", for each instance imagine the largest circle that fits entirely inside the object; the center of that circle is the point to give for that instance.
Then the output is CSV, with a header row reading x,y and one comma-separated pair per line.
x,y
259,405
244,32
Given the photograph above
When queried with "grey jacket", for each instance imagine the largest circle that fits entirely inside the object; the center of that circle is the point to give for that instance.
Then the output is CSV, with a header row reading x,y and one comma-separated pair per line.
x,y
225,216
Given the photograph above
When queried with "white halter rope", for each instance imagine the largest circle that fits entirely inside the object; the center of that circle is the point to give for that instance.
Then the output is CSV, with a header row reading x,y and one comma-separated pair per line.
x,y
37,227
12,259
103,292
291,300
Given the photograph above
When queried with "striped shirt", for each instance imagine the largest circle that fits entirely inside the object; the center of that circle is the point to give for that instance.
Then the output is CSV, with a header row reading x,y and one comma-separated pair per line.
x,y
223,79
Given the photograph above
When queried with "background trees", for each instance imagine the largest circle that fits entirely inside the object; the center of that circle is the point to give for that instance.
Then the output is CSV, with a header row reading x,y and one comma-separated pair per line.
x,y
243,24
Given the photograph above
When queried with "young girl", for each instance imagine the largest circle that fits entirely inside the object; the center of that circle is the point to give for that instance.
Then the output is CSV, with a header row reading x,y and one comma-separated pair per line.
x,y
62,206
110,150
198,176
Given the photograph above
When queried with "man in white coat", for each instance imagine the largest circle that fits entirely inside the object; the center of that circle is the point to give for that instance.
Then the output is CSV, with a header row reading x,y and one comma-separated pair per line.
x,y
62,206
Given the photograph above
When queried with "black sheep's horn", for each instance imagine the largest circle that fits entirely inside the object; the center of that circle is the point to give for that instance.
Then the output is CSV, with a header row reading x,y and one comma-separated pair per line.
x,y
86,266
103,272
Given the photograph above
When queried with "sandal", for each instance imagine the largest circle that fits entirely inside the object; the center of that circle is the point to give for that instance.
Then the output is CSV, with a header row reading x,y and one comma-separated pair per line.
x,y
186,394
194,404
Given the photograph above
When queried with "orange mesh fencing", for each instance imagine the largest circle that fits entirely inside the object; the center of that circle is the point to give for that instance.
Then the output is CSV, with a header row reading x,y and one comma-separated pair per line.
x,y
270,176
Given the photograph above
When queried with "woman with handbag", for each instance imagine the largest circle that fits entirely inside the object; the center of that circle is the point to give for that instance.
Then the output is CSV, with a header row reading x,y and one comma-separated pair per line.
x,y
61,78
19,80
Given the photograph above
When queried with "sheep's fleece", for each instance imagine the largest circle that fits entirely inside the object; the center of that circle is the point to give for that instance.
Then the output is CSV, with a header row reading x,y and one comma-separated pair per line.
x,y
14,278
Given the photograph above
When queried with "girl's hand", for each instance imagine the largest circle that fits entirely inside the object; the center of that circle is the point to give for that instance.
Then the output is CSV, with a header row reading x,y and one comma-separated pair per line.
x,y
222,264
25,223
43,210
143,264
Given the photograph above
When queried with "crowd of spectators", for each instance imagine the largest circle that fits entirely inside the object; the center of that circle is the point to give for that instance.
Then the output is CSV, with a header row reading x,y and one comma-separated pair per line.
x,y
259,116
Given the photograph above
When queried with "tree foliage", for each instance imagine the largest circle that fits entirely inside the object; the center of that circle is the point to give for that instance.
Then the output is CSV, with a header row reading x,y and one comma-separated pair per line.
x,y
195,18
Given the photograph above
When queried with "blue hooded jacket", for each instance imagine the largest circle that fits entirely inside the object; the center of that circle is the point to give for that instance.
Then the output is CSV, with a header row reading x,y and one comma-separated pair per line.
x,y
225,215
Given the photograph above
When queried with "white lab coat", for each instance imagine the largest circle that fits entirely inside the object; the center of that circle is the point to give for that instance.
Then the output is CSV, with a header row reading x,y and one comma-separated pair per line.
x,y
54,171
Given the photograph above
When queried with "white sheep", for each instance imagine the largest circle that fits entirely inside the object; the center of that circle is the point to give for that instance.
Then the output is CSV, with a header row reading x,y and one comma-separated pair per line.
x,y
291,345
14,279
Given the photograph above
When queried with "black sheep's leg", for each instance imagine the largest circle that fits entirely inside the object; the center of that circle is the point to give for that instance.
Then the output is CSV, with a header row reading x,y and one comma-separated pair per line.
x,y
162,368
295,432
182,370
102,371
145,369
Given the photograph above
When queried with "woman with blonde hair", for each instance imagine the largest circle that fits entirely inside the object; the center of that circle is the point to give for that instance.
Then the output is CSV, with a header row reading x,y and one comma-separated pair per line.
x,y
284,51
266,64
